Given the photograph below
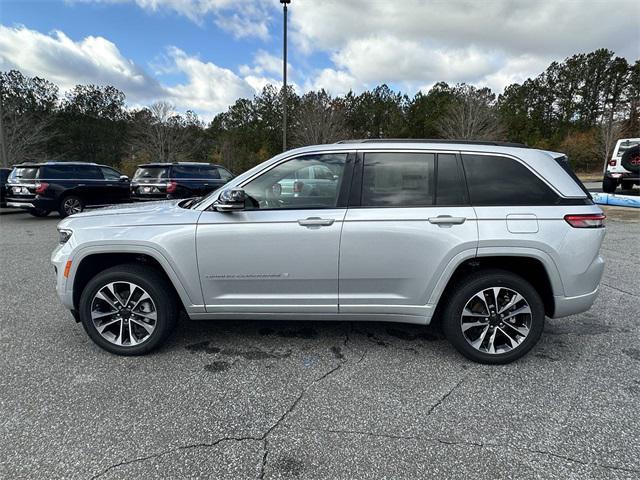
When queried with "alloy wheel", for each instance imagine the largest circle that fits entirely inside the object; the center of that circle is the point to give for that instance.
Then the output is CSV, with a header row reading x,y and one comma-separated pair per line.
x,y
72,205
496,320
124,314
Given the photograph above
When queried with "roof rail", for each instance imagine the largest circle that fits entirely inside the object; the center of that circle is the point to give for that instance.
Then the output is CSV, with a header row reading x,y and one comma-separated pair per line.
x,y
436,140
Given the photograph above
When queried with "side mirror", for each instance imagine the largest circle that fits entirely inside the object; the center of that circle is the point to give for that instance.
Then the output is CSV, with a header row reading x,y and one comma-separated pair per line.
x,y
124,178
230,200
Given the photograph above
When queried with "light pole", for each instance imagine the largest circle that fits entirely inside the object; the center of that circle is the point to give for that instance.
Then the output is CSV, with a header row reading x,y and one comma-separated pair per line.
x,y
284,76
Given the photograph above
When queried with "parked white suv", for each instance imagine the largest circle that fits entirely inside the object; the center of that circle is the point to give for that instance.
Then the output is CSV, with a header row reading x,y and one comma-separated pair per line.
x,y
624,167
487,238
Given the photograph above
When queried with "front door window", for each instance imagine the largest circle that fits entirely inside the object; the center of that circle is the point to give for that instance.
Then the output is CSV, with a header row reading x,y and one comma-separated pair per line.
x,y
310,181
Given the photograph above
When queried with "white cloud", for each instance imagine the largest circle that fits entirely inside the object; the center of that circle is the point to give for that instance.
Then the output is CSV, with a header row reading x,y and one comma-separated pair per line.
x,y
335,82
67,63
420,42
207,89
241,18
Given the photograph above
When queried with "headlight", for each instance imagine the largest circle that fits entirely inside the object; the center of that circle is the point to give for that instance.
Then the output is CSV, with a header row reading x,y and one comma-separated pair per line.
x,y
64,235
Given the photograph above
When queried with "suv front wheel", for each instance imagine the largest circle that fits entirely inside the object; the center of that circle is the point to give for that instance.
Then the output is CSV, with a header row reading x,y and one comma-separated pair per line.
x,y
128,309
494,317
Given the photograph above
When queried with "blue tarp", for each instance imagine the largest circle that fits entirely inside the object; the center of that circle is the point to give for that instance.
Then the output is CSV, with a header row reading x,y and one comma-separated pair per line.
x,y
617,200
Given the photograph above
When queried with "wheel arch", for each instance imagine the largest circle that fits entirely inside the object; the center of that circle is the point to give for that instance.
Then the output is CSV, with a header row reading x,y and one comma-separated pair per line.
x,y
91,262
530,267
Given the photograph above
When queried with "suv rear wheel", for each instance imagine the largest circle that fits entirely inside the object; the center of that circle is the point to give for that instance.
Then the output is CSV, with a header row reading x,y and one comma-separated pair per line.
x,y
494,316
70,204
609,185
128,309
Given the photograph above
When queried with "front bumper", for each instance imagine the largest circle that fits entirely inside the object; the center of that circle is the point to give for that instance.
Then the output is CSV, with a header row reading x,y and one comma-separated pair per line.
x,y
59,259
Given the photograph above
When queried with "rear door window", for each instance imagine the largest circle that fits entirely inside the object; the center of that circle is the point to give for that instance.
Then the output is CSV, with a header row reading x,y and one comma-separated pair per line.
x,y
495,180
398,179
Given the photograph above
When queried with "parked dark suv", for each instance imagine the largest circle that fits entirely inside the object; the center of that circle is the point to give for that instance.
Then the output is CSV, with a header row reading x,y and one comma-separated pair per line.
x,y
162,181
67,187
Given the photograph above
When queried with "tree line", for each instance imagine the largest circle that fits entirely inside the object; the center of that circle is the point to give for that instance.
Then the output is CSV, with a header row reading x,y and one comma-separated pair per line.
x,y
580,106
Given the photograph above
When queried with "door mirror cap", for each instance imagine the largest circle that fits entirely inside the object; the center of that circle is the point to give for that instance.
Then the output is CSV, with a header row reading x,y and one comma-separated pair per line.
x,y
230,200
124,178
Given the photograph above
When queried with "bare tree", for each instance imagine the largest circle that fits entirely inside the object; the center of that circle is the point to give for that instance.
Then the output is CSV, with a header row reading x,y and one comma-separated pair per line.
x,y
608,134
472,116
163,134
26,117
318,119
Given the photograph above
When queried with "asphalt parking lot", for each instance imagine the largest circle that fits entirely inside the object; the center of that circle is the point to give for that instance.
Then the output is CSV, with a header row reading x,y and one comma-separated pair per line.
x,y
314,400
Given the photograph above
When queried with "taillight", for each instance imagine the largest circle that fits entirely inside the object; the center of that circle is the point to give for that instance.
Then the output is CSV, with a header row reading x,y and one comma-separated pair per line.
x,y
613,163
41,187
171,186
588,220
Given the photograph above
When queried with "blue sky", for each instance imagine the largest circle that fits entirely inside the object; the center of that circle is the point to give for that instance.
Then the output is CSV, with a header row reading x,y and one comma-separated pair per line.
x,y
203,54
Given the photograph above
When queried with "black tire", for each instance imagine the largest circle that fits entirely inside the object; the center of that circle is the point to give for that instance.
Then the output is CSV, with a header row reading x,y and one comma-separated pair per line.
x,y
466,288
69,204
39,212
626,186
630,159
156,286
609,184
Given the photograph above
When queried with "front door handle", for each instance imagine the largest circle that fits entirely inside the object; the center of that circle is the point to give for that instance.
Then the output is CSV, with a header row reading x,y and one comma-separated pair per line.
x,y
447,220
316,222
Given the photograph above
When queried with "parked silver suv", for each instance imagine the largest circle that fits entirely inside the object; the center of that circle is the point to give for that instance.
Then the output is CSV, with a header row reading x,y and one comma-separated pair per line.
x,y
487,238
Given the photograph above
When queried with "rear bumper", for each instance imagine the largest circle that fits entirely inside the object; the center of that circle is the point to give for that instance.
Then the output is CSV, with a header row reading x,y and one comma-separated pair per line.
x,y
565,306
30,203
626,176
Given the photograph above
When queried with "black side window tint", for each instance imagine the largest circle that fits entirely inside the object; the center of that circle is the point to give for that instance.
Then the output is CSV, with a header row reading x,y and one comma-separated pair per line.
x,y
210,172
224,174
495,180
58,172
90,173
451,189
110,174
182,171
398,179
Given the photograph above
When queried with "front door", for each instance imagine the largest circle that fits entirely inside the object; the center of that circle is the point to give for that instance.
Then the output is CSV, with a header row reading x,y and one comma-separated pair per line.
x,y
410,220
280,254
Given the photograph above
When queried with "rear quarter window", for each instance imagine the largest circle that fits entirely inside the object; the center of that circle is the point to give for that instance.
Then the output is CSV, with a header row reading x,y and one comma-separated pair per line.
x,y
495,181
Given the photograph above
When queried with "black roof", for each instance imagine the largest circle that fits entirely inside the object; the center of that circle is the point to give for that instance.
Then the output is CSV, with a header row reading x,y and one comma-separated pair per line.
x,y
167,164
436,140
41,164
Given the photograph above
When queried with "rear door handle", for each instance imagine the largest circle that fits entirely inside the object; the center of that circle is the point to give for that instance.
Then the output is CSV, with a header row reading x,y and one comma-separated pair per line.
x,y
447,220
316,222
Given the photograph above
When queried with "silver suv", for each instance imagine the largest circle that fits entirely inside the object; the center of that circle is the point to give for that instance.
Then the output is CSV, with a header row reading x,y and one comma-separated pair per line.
x,y
487,238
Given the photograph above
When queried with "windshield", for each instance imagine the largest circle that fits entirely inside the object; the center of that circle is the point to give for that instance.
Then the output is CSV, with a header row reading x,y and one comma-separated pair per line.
x,y
151,173
626,146
23,173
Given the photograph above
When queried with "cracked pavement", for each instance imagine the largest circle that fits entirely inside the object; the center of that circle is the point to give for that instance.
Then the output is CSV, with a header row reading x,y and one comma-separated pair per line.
x,y
314,400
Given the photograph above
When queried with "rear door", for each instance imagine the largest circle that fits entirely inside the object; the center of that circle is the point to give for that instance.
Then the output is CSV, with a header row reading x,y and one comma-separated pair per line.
x,y
408,217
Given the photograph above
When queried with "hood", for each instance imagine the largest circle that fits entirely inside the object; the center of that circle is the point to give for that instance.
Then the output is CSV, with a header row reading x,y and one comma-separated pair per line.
x,y
159,207
163,213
